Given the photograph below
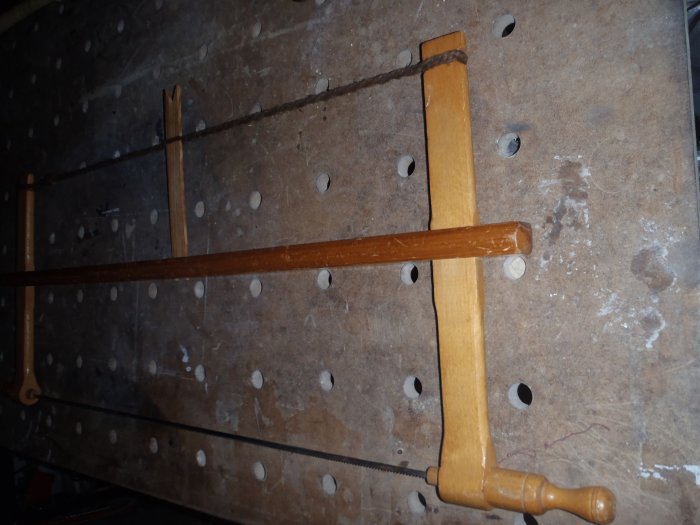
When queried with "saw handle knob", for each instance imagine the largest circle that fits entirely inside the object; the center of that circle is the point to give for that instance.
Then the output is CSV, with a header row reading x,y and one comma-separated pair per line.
x,y
534,494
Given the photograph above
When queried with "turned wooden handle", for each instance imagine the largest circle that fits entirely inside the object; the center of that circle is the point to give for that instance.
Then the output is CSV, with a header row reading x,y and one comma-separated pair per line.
x,y
534,494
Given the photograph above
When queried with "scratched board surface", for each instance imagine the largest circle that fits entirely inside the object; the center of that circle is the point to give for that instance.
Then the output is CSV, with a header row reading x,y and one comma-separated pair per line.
x,y
602,327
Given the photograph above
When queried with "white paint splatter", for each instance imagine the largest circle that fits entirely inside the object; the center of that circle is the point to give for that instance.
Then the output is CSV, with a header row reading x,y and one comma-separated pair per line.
x,y
612,305
653,472
653,313
185,354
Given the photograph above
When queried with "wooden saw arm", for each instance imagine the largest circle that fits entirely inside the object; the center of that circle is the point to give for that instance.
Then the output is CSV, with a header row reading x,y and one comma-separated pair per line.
x,y
468,474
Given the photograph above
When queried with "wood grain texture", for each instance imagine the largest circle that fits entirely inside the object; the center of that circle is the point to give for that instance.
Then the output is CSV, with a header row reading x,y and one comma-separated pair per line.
x,y
175,167
477,241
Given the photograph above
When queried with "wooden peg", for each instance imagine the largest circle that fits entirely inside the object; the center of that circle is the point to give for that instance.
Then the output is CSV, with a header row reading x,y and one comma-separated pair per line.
x,y
26,388
172,105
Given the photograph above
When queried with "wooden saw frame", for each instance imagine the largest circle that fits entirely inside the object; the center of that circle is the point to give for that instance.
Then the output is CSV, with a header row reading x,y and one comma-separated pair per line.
x,y
468,474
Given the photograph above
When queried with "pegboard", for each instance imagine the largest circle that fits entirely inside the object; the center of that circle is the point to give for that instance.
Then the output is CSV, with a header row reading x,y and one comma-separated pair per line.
x,y
601,327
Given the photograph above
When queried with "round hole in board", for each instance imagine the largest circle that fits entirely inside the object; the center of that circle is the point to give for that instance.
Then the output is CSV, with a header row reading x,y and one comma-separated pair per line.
x,y
329,484
79,361
503,25
154,216
257,379
259,471
412,387
405,166
201,458
79,428
113,437
508,144
79,296
115,225
524,519
113,293
520,396
199,289
255,288
153,445
326,380
199,209
409,274
254,200
323,183
416,502
81,232
324,279
514,267
322,84
404,58
256,29
199,373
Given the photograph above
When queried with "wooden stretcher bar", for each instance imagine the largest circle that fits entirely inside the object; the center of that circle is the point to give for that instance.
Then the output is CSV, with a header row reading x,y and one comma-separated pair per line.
x,y
478,241
468,474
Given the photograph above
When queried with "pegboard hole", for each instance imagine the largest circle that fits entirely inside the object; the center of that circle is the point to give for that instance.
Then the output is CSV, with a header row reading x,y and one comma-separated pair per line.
x,y
79,296
79,362
199,209
81,232
525,519
326,380
503,25
201,458
324,279
152,368
256,29
153,290
404,58
412,387
508,144
409,274
79,428
259,471
154,217
323,183
199,374
329,484
255,288
257,379
520,396
153,445
322,84
113,293
113,437
199,289
254,200
405,166
416,502
115,225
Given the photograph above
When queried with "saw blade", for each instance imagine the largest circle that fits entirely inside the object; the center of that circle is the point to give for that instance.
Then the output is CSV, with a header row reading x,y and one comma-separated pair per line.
x,y
292,449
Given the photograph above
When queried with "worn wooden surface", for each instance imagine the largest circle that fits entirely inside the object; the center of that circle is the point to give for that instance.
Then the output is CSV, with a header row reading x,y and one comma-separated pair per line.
x,y
602,327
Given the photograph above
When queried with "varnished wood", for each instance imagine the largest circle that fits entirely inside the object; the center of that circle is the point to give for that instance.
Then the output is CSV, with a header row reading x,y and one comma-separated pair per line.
x,y
26,388
468,473
482,241
172,105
